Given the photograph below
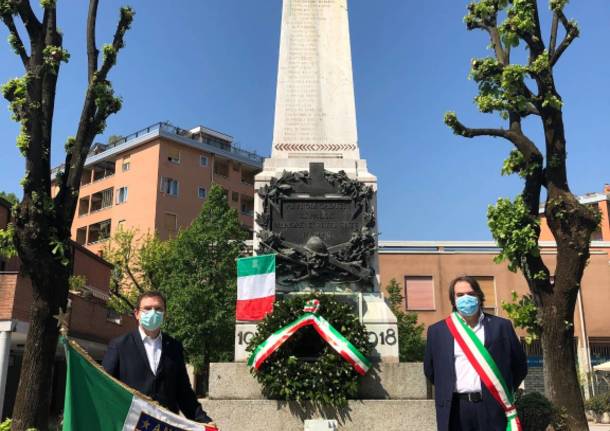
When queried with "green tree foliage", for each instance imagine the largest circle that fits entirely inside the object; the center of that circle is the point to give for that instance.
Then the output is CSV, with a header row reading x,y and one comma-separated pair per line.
x,y
524,314
200,283
411,343
517,92
9,197
138,265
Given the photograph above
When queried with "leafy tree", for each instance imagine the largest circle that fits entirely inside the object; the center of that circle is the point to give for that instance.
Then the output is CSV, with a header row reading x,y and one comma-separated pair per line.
x,y
516,92
411,343
113,139
138,263
9,197
523,312
41,222
200,283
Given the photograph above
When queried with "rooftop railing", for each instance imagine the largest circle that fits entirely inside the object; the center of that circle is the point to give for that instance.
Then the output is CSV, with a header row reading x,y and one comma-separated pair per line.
x,y
170,128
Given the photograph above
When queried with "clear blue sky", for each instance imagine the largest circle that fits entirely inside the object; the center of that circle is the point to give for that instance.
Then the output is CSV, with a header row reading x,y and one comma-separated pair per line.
x,y
214,62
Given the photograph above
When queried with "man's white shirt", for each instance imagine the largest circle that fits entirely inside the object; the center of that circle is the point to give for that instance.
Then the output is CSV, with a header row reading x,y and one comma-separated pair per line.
x,y
153,349
467,379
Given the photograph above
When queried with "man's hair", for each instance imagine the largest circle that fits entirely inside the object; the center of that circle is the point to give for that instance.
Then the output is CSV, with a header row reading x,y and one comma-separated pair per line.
x,y
478,292
150,294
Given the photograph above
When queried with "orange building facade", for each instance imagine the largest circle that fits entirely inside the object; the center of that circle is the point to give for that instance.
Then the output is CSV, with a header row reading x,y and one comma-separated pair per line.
x,y
156,180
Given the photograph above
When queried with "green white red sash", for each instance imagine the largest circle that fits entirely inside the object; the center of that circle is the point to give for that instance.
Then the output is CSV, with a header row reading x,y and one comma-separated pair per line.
x,y
486,368
338,342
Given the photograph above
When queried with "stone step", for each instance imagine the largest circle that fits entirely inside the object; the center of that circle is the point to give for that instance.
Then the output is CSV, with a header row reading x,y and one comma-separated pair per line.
x,y
396,381
267,415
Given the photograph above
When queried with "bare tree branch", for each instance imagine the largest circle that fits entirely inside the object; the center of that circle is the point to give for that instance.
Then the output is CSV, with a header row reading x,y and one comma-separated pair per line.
x,y
92,51
572,33
31,22
92,117
502,55
18,42
117,43
554,29
133,278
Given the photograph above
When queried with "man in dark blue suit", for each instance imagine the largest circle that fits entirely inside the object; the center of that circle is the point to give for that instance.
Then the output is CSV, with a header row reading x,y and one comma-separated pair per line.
x,y
153,362
462,402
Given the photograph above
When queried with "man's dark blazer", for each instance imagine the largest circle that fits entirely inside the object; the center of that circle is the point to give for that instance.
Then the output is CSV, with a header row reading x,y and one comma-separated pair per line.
x,y
126,360
439,367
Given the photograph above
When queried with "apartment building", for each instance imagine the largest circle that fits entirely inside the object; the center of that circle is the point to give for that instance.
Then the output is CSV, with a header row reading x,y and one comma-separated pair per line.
x,y
156,180
597,200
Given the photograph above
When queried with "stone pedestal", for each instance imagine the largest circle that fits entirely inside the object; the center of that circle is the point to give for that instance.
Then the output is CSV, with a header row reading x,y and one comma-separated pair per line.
x,y
392,397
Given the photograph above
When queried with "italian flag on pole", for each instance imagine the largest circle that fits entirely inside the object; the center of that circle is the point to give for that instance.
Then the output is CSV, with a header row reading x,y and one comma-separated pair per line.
x,y
96,401
255,287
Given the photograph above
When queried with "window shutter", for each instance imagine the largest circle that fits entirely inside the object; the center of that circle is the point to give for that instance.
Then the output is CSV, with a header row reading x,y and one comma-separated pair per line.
x,y
419,293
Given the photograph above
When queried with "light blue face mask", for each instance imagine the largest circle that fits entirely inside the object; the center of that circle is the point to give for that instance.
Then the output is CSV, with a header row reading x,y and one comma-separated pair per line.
x,y
151,319
467,305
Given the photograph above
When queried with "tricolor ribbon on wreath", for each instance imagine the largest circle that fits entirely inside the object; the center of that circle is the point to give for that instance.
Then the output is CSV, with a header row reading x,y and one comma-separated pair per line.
x,y
486,368
334,338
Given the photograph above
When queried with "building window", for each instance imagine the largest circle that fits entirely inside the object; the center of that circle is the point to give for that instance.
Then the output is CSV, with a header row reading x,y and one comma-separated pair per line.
x,y
221,168
99,231
121,196
247,205
103,170
419,293
488,286
126,164
101,200
83,206
203,160
169,186
170,223
201,192
236,166
174,156
235,196
247,177
81,235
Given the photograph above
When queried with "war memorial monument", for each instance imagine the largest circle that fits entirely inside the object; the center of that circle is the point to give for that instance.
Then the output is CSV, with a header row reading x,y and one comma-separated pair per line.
x,y
315,209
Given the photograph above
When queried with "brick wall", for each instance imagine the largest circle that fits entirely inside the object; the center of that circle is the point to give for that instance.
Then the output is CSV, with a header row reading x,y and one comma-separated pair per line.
x,y
8,281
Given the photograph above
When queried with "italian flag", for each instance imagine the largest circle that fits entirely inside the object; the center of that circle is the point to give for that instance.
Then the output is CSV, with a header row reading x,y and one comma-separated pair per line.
x,y
255,287
96,401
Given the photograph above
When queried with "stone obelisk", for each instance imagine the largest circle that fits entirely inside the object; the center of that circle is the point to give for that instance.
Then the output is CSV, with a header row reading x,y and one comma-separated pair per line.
x,y
315,112
328,237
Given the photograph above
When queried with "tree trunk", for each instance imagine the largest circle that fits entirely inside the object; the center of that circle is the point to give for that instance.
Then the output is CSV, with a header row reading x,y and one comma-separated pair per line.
x,y
560,376
35,383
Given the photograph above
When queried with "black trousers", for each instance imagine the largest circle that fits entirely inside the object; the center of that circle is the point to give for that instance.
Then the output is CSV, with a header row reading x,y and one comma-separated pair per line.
x,y
469,416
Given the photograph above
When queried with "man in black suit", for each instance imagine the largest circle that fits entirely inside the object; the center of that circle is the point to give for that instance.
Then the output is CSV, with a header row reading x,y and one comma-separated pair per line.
x,y
462,402
153,362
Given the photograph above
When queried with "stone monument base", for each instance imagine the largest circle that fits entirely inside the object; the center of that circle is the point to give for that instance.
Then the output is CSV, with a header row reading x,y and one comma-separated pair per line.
x,y
267,415
392,397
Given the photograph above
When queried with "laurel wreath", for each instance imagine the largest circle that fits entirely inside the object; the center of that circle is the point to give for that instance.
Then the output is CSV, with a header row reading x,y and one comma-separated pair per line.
x,y
305,368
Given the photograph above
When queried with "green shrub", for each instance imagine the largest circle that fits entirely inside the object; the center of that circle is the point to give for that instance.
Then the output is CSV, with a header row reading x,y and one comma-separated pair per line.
x,y
537,413
6,425
599,403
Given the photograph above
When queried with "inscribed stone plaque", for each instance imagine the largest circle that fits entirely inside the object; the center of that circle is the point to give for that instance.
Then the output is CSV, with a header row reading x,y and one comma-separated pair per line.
x,y
332,219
